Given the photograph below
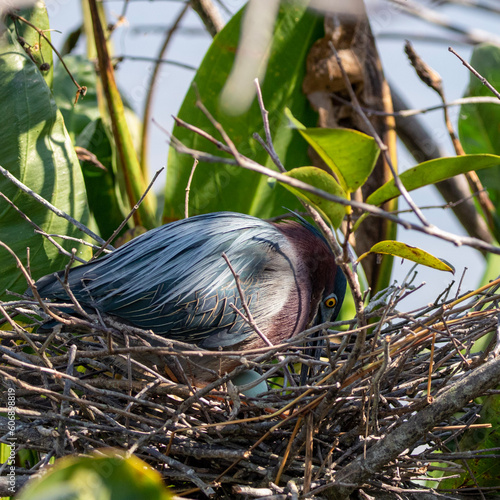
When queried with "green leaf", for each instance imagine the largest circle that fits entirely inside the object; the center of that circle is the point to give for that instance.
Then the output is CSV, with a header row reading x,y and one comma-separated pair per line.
x,y
108,475
76,116
432,171
37,46
37,150
89,131
334,212
399,249
350,154
480,472
105,200
478,123
222,187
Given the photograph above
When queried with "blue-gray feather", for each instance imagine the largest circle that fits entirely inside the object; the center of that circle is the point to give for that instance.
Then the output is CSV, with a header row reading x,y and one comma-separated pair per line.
x,y
174,280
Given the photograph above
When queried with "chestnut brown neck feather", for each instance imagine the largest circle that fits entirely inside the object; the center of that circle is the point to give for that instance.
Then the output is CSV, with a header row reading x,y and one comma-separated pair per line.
x,y
315,269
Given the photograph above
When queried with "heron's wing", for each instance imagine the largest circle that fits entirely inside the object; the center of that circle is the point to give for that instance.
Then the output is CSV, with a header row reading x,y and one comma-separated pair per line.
x,y
174,280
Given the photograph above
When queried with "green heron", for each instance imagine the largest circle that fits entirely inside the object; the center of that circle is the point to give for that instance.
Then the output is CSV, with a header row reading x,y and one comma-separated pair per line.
x,y
174,280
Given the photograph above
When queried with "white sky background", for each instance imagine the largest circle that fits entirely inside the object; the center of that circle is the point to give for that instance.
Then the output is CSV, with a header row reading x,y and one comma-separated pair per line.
x,y
189,47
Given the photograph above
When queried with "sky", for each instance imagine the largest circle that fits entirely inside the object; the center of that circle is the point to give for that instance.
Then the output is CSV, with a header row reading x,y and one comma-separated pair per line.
x,y
141,35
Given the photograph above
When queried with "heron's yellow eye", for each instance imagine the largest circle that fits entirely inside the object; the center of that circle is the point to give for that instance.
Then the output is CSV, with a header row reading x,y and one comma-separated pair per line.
x,y
330,302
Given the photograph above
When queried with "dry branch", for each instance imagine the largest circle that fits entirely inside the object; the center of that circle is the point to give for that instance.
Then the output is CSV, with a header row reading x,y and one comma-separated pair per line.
x,y
107,386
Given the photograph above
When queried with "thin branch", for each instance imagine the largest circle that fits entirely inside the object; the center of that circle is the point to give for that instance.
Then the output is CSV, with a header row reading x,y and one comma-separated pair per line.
x,y
373,210
481,78
430,15
81,91
48,205
209,15
39,230
152,85
433,80
475,4
407,112
249,316
378,140
131,213
118,59
423,146
71,238
188,188
268,145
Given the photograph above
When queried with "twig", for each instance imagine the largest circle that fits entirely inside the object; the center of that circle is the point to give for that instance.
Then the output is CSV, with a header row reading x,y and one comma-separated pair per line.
x,y
268,145
48,205
432,79
423,147
230,144
481,78
244,304
131,213
432,16
81,91
405,112
89,157
188,188
71,238
179,64
39,230
496,350
152,84
209,15
249,317
430,398
376,381
378,140
251,165
32,287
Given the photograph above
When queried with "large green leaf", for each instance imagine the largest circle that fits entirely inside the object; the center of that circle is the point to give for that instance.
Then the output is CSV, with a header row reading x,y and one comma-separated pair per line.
x,y
88,131
34,43
479,124
37,150
109,475
76,117
432,171
222,187
103,191
350,154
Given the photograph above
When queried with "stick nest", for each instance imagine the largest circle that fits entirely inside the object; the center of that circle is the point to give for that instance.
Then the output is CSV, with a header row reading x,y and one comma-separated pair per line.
x,y
98,383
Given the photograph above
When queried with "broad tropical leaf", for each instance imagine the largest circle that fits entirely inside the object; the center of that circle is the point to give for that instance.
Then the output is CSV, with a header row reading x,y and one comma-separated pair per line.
x,y
37,150
478,123
222,187
350,154
34,43
432,171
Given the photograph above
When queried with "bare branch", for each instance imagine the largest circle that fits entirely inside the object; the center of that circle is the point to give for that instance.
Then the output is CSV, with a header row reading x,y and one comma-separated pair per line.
x,y
48,205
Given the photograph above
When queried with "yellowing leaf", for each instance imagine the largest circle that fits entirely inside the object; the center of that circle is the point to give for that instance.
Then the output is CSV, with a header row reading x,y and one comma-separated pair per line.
x,y
398,249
